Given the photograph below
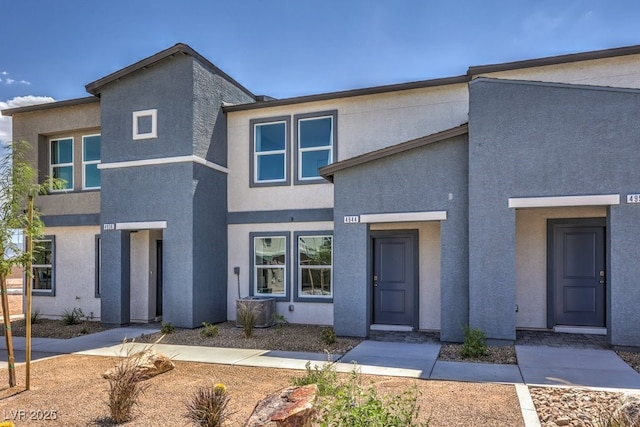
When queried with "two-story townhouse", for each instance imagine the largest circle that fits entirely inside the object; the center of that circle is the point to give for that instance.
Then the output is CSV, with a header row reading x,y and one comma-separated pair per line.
x,y
504,198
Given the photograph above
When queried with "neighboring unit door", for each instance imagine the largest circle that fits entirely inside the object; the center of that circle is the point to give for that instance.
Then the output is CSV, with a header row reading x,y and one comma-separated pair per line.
x,y
579,275
393,280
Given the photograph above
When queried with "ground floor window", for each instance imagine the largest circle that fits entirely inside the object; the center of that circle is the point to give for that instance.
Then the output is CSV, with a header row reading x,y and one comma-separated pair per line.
x,y
314,265
42,280
269,264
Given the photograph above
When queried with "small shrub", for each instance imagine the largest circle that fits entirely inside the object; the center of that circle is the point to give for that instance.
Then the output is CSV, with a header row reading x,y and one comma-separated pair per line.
x,y
279,321
247,316
35,317
475,343
73,317
328,336
84,330
208,406
125,389
325,377
626,414
167,328
209,330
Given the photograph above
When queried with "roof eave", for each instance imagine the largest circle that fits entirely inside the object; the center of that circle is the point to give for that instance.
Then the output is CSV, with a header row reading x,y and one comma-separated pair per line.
x,y
95,87
50,105
554,60
349,93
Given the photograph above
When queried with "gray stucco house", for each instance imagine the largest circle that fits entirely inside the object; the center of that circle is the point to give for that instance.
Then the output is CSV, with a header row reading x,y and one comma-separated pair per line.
x,y
505,198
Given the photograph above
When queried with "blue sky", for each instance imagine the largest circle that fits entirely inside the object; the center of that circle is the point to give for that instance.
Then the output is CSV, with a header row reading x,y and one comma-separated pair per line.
x,y
283,48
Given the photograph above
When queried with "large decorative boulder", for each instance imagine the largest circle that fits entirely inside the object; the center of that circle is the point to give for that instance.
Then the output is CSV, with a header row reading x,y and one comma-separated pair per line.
x,y
147,363
290,407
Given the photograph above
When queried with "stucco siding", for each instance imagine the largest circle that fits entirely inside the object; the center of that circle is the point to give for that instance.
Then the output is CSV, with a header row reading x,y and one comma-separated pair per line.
x,y
74,272
365,123
532,140
319,313
623,71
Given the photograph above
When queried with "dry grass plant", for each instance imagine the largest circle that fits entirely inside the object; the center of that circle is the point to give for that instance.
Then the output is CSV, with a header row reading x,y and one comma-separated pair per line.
x,y
247,316
125,388
207,407
627,414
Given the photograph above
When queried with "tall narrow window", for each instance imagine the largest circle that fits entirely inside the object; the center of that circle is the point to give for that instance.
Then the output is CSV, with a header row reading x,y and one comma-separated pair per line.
x,y
61,160
90,161
315,145
315,260
42,269
270,265
270,152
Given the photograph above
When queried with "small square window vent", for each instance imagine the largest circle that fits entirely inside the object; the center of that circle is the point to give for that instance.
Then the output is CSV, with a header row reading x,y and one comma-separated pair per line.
x,y
145,124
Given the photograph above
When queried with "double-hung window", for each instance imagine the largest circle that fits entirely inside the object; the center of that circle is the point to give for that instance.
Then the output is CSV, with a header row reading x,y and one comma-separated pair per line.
x,y
270,256
315,144
61,156
314,259
42,282
270,151
90,162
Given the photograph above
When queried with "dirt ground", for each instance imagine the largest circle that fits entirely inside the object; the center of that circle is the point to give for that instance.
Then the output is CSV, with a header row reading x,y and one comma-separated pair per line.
x,y
71,390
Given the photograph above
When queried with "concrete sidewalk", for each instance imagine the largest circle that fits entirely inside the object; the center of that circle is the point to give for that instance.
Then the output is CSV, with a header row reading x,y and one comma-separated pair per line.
x,y
539,365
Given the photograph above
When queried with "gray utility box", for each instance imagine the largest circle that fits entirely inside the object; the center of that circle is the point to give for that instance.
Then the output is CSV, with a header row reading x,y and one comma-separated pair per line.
x,y
263,307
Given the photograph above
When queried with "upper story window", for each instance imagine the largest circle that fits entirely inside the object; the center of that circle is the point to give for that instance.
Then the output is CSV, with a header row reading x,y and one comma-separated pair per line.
x,y
145,124
90,162
315,145
270,151
61,164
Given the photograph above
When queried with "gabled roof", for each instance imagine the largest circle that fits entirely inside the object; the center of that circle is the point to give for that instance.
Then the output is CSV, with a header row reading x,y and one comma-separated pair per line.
x,y
95,88
50,105
328,171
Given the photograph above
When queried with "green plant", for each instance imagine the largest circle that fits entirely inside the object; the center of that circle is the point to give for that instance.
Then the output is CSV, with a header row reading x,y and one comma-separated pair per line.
x,y
209,330
125,388
325,377
73,317
475,343
35,317
247,316
350,404
167,328
328,336
279,321
208,406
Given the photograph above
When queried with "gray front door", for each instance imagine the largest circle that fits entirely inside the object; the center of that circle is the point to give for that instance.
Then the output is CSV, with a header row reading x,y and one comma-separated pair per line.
x,y
578,275
394,285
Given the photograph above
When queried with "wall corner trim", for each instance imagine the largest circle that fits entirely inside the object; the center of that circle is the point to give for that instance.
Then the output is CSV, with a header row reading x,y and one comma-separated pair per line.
x,y
404,217
564,201
164,161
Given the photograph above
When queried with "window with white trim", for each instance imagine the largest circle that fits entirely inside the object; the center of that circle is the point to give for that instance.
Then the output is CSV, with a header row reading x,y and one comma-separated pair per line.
x,y
270,265
315,262
90,162
270,152
315,144
61,162
145,124
42,282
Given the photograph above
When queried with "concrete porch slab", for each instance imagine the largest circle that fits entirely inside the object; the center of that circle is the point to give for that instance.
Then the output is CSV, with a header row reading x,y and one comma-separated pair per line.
x,y
483,372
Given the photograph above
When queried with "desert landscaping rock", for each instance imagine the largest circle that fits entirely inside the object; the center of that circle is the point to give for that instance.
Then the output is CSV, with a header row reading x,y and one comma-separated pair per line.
x,y
148,363
291,407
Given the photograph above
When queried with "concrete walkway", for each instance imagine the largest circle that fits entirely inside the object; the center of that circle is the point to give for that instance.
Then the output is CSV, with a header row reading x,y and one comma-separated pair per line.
x,y
537,365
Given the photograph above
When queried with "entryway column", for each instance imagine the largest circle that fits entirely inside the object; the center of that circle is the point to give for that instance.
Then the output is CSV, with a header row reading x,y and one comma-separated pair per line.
x,y
114,277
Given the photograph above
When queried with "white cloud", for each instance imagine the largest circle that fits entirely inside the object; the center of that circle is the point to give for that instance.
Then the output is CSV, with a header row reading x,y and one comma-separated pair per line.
x,y
24,82
9,81
4,73
18,101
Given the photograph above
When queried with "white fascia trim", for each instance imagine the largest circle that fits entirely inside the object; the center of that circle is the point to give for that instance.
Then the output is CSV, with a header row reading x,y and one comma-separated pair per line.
x,y
564,201
141,225
404,217
164,161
